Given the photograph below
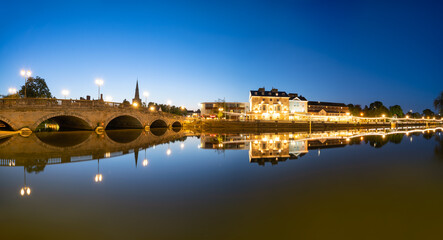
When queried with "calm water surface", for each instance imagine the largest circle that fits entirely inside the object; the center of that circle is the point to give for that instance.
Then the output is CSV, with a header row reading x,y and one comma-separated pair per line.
x,y
179,185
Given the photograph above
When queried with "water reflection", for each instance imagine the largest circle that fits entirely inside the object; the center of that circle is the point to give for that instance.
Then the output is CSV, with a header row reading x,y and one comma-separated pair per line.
x,y
45,148
279,147
377,174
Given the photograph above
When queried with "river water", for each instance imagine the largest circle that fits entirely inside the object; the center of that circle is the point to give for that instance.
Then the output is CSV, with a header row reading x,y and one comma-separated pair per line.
x,y
165,184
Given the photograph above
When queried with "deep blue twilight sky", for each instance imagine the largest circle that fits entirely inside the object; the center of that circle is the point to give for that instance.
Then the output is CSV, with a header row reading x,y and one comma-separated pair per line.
x,y
193,51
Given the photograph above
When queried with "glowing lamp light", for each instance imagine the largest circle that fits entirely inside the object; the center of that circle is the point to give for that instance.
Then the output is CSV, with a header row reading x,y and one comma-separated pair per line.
x,y
22,72
99,81
146,94
135,104
145,162
383,115
169,102
407,116
182,108
220,109
12,91
108,98
98,178
152,108
65,92
25,191
361,114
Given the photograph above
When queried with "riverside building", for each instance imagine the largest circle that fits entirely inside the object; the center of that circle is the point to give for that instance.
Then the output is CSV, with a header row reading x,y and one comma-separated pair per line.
x,y
276,105
228,110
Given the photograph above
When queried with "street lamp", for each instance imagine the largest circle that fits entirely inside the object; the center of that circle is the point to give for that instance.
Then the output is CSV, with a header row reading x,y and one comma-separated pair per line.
x,y
169,102
65,93
26,74
99,82
146,95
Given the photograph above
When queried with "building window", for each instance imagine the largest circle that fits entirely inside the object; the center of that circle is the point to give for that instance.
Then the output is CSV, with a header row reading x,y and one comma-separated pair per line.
x,y
264,108
271,100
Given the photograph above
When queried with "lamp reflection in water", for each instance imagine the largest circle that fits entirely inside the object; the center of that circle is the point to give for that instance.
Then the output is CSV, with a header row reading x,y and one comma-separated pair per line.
x,y
168,152
145,160
182,145
98,176
25,190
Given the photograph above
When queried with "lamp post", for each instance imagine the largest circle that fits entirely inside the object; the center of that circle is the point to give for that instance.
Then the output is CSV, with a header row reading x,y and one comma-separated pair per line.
x,y
26,74
169,102
99,82
146,95
65,93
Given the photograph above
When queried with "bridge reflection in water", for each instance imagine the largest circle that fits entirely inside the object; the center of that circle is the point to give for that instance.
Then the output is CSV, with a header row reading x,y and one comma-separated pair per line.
x,y
45,148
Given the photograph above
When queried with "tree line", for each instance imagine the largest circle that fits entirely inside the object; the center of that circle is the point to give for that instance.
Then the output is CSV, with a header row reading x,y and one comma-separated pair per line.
x,y
377,109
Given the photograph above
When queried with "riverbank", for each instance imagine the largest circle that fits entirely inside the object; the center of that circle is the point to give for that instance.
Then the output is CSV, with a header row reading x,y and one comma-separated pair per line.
x,y
291,126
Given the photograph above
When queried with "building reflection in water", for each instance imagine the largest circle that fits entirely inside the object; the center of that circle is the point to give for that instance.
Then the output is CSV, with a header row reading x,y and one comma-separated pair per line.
x,y
279,147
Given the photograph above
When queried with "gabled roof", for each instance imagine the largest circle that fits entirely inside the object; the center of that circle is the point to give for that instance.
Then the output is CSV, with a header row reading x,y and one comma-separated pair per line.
x,y
268,93
301,98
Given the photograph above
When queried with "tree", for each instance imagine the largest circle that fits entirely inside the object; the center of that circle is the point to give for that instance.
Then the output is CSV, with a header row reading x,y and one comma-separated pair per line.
x,y
126,103
438,103
377,109
355,110
428,113
36,88
397,111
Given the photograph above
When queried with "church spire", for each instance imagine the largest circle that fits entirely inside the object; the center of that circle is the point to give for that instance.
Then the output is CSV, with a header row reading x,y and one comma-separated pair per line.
x,y
137,96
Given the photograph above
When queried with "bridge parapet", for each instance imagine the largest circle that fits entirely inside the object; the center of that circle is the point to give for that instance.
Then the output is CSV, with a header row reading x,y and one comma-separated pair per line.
x,y
53,102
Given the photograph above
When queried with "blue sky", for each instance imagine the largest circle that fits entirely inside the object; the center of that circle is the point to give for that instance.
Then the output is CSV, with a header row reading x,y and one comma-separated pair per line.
x,y
193,51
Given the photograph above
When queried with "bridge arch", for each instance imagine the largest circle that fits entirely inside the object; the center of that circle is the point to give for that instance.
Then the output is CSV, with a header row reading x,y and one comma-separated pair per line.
x,y
6,124
177,124
66,121
124,121
158,123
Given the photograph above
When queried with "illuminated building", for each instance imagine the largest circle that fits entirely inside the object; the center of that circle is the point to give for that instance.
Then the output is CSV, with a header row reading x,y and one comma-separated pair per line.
x,y
230,110
269,105
327,108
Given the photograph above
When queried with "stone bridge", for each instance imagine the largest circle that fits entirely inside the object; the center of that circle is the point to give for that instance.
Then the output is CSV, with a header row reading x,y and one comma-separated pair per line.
x,y
16,114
